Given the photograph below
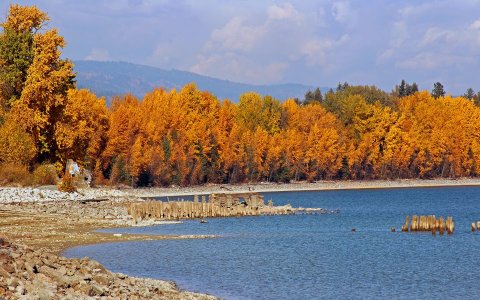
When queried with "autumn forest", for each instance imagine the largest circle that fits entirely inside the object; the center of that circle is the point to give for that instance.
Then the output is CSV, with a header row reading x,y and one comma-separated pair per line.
x,y
188,136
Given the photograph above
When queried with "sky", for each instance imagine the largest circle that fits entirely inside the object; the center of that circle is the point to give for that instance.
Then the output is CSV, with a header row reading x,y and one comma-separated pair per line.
x,y
314,42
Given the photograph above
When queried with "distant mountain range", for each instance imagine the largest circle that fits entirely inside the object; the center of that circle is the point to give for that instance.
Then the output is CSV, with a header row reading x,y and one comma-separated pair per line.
x,y
118,78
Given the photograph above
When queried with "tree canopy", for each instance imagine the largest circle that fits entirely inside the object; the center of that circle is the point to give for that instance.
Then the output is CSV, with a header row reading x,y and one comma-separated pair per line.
x,y
187,136
35,81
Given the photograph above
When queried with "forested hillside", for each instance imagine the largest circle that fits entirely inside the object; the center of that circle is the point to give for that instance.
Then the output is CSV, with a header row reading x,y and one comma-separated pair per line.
x,y
117,78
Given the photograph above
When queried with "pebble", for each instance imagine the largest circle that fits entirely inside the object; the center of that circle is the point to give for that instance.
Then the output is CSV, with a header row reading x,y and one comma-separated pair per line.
x,y
28,194
55,278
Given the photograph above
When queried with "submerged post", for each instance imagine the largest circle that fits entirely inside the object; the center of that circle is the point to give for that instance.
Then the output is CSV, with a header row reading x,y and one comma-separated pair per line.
x,y
450,226
406,225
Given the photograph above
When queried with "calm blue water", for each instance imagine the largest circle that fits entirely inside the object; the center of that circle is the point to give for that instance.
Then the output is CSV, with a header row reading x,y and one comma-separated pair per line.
x,y
317,256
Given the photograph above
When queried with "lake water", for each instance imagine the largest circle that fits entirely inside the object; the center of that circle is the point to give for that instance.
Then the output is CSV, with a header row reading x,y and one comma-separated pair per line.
x,y
317,256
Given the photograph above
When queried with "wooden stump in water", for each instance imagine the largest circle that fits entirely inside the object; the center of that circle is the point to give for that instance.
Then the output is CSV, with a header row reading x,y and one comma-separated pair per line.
x,y
473,227
406,225
441,227
415,223
449,225
432,222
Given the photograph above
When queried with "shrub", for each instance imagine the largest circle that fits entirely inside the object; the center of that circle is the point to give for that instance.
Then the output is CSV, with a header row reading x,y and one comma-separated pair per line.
x,y
45,174
14,174
16,146
67,184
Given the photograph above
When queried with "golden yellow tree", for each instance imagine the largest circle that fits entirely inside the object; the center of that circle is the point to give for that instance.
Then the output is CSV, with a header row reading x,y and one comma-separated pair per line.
x,y
230,150
43,98
80,134
371,130
443,133
25,18
322,156
17,49
16,146
125,123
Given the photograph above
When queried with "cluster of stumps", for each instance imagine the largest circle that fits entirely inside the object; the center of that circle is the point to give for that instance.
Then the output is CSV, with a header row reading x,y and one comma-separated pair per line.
x,y
429,223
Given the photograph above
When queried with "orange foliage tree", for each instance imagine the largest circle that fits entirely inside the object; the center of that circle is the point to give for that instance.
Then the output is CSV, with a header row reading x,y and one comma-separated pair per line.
x,y
40,106
81,132
187,137
16,146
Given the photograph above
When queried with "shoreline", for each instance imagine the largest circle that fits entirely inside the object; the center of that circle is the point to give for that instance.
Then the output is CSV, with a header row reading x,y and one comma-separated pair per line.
x,y
46,222
33,236
299,186
55,226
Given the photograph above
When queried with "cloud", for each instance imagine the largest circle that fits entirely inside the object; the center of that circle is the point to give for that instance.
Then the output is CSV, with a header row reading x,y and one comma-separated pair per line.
x,y
436,34
239,68
386,55
343,13
246,50
281,40
399,33
236,35
316,51
284,12
429,60
475,25
99,54
427,38
263,47
419,9
162,55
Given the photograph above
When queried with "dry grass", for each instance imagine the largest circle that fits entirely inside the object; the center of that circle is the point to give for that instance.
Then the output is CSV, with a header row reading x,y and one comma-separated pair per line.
x,y
45,174
13,174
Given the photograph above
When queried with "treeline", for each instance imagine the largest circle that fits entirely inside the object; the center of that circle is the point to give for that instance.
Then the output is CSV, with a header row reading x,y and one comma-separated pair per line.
x,y
188,136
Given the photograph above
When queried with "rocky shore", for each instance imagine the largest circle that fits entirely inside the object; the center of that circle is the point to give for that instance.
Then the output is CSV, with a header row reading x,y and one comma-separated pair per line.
x,y
26,273
33,232
50,193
